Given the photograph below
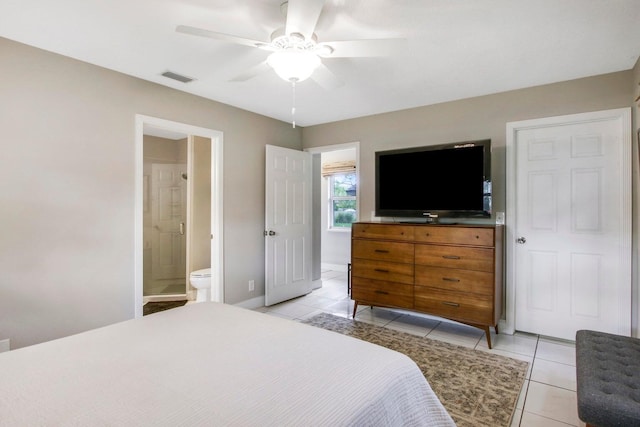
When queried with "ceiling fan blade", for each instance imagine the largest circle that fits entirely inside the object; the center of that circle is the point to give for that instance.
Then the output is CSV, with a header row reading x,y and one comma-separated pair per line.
x,y
252,72
218,36
363,48
325,78
302,16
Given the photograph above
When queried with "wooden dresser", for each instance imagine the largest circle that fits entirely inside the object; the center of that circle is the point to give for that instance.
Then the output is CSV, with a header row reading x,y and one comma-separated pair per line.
x,y
451,271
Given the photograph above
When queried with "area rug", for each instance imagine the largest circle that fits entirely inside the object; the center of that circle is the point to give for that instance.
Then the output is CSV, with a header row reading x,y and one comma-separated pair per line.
x,y
154,307
476,387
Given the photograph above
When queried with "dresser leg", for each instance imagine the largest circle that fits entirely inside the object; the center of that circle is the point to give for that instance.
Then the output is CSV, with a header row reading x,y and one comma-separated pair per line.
x,y
355,308
488,334
496,328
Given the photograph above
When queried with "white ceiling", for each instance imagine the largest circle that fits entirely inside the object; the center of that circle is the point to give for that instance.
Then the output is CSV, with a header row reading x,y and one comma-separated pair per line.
x,y
455,48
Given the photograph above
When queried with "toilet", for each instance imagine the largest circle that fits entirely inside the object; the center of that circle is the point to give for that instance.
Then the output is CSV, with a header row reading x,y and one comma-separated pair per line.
x,y
201,280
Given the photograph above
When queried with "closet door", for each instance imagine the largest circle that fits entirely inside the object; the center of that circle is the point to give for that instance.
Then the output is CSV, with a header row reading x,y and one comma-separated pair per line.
x,y
571,227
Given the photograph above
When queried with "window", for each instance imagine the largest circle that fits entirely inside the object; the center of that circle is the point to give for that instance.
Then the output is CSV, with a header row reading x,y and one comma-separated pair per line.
x,y
342,200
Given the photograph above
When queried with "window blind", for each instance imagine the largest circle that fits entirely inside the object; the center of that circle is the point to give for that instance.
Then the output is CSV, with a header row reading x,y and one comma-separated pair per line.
x,y
338,167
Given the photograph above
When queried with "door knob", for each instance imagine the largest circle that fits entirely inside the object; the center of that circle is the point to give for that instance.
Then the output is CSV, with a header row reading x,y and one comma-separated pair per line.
x,y
269,233
521,240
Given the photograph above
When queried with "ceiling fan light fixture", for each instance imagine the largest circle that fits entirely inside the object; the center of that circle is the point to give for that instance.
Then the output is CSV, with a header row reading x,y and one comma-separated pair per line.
x,y
293,65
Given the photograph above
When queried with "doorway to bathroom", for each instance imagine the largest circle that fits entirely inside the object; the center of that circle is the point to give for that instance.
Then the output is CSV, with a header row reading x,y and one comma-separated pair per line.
x,y
165,216
178,210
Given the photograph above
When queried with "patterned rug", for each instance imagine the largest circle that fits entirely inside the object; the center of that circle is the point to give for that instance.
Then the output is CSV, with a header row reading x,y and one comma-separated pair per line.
x,y
476,387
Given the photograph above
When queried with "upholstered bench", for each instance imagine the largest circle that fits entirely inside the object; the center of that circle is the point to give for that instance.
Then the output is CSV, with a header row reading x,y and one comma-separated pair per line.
x,y
608,379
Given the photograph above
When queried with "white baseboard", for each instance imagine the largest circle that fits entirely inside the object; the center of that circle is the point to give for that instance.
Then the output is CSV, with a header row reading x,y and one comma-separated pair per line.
x,y
334,267
252,303
5,345
502,325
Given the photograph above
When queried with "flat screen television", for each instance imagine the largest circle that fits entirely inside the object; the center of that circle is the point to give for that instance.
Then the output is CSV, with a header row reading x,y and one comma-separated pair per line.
x,y
448,180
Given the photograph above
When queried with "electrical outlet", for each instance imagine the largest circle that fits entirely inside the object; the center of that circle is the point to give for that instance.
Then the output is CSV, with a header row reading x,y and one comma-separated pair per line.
x,y
252,286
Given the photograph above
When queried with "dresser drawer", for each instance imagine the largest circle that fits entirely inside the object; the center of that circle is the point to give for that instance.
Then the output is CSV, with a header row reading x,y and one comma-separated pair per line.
x,y
382,292
384,251
471,308
480,259
382,231
474,236
476,282
382,270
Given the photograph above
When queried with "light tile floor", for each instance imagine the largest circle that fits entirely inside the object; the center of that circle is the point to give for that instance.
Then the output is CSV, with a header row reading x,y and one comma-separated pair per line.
x,y
548,396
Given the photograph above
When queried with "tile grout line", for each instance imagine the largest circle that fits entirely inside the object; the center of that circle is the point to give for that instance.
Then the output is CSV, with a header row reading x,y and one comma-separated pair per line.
x,y
528,381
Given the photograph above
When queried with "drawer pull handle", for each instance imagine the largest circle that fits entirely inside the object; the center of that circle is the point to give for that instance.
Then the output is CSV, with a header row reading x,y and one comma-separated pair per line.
x,y
452,304
381,251
450,279
382,292
379,270
450,257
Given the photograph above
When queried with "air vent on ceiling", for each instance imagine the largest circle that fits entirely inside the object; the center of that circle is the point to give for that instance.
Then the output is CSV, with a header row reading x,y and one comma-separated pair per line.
x,y
178,77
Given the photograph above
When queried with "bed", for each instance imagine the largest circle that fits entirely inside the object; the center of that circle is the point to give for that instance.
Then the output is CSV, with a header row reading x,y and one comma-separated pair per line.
x,y
213,364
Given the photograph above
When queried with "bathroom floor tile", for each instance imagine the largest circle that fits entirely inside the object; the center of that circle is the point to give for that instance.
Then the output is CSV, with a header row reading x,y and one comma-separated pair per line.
x,y
316,301
291,309
515,419
554,373
523,395
456,333
525,345
552,402
557,351
532,420
413,324
377,316
342,308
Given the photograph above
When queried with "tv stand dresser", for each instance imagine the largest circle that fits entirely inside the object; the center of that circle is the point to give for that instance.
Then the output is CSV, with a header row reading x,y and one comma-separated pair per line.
x,y
450,271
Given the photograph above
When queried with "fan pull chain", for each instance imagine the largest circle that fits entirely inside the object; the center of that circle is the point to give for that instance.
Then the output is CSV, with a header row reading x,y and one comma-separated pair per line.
x,y
293,103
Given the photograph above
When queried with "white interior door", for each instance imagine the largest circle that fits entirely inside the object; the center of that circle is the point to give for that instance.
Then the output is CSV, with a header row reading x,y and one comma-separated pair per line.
x,y
287,224
572,229
168,216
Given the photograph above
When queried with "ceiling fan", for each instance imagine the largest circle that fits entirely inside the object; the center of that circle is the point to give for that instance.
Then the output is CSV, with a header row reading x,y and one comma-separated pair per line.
x,y
296,53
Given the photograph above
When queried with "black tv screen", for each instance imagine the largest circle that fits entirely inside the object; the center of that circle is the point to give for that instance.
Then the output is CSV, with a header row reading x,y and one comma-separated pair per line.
x,y
449,180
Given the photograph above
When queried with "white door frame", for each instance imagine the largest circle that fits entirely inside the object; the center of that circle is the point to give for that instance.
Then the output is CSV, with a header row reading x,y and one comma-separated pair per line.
x,y
217,243
345,146
623,114
317,283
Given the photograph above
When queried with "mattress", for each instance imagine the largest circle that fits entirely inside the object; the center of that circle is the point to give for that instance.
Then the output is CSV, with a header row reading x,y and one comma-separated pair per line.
x,y
213,364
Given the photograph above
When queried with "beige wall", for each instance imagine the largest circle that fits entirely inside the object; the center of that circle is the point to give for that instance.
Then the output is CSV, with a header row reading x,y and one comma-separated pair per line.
x,y
67,176
163,150
468,119
476,118
67,190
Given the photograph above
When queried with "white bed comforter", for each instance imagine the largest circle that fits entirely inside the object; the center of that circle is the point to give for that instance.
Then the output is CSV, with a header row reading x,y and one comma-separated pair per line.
x,y
210,364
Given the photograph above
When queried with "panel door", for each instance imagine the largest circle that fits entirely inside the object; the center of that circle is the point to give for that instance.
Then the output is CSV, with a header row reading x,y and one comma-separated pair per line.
x,y
287,224
573,230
